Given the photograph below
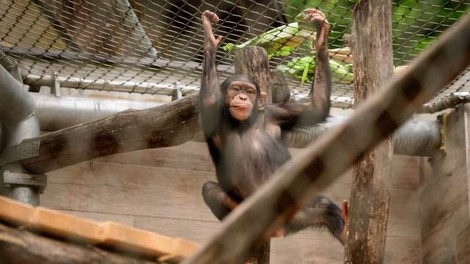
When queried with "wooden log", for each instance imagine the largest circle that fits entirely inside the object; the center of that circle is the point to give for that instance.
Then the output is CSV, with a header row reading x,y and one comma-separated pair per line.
x,y
317,166
21,246
253,61
162,126
370,190
279,88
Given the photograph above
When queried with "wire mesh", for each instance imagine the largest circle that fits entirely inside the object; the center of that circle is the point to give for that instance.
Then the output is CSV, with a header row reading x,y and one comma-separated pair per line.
x,y
155,47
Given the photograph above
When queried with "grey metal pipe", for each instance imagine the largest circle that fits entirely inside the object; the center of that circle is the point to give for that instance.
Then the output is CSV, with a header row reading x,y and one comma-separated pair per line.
x,y
19,122
414,138
14,133
15,103
76,82
55,113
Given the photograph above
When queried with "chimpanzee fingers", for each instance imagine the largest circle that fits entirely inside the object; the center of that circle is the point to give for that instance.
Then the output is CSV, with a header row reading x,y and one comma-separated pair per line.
x,y
210,16
345,213
315,16
345,210
218,40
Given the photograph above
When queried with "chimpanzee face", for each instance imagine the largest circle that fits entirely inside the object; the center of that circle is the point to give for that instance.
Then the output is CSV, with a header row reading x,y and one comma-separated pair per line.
x,y
241,98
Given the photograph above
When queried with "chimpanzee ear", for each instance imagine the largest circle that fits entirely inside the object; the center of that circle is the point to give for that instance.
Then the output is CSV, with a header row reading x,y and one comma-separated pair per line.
x,y
263,98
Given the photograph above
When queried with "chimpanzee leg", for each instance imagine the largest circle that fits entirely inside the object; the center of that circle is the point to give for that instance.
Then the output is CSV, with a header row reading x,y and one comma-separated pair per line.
x,y
322,212
217,199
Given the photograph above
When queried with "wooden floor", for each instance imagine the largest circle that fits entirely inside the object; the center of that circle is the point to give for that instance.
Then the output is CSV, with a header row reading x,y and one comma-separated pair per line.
x,y
160,190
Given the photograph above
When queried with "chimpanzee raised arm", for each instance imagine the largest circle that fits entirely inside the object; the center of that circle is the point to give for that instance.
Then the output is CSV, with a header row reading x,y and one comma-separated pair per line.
x,y
245,137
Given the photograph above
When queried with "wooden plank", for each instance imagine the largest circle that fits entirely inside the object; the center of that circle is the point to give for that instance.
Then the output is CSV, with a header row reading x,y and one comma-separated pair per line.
x,y
309,246
135,240
445,202
403,166
75,183
101,217
117,189
22,246
196,157
66,226
447,189
402,250
463,246
131,190
191,229
109,234
439,246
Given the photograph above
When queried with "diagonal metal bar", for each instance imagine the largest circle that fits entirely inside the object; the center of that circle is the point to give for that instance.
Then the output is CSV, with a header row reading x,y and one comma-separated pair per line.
x,y
299,180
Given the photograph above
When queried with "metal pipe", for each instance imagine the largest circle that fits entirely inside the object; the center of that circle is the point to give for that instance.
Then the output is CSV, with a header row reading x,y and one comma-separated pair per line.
x,y
414,138
76,82
19,122
15,104
55,113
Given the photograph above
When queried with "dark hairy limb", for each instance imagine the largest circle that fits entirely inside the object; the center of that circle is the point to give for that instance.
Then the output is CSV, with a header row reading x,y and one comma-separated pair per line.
x,y
210,91
217,200
321,213
291,115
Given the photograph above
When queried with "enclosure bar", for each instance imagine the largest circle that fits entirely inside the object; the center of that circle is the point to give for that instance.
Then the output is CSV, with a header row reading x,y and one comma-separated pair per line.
x,y
317,166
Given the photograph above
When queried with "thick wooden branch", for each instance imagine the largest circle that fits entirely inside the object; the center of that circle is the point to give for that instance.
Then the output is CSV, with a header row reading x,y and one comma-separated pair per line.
x,y
317,166
253,61
162,126
446,102
21,246
419,138
370,188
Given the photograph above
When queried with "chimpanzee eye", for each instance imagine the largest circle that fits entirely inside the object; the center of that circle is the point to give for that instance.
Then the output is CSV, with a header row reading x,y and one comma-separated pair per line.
x,y
250,91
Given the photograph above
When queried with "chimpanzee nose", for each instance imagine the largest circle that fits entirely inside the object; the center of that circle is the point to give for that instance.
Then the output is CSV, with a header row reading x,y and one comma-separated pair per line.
x,y
243,97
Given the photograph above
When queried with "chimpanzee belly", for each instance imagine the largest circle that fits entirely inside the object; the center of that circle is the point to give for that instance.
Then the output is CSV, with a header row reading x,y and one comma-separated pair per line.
x,y
248,159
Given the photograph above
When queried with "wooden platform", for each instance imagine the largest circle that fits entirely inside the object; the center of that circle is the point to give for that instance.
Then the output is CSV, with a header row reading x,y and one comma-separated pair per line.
x,y
105,234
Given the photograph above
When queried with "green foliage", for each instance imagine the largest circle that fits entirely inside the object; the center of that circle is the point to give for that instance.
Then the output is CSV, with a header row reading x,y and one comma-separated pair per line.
x,y
280,41
303,69
416,25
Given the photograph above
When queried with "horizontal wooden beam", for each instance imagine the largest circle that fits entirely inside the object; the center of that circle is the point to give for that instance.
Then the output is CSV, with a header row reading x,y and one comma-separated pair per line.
x,y
163,126
22,246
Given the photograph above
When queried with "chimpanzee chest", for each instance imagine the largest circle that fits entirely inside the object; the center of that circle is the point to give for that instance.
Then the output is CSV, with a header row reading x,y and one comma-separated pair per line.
x,y
248,158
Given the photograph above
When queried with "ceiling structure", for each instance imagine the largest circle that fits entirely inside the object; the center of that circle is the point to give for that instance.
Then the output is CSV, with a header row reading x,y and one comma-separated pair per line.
x,y
155,47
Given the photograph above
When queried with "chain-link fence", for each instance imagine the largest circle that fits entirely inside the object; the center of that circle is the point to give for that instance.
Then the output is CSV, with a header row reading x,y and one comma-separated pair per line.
x,y
154,47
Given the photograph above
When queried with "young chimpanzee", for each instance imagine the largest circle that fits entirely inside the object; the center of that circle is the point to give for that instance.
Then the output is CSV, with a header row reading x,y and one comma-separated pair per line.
x,y
246,136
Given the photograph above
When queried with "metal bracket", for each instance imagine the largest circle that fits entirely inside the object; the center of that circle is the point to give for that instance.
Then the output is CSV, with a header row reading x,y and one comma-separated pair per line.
x,y
11,179
443,120
26,149
55,85
178,91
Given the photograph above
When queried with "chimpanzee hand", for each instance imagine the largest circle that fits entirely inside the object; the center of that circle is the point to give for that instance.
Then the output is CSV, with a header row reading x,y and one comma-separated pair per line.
x,y
315,16
319,21
208,17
